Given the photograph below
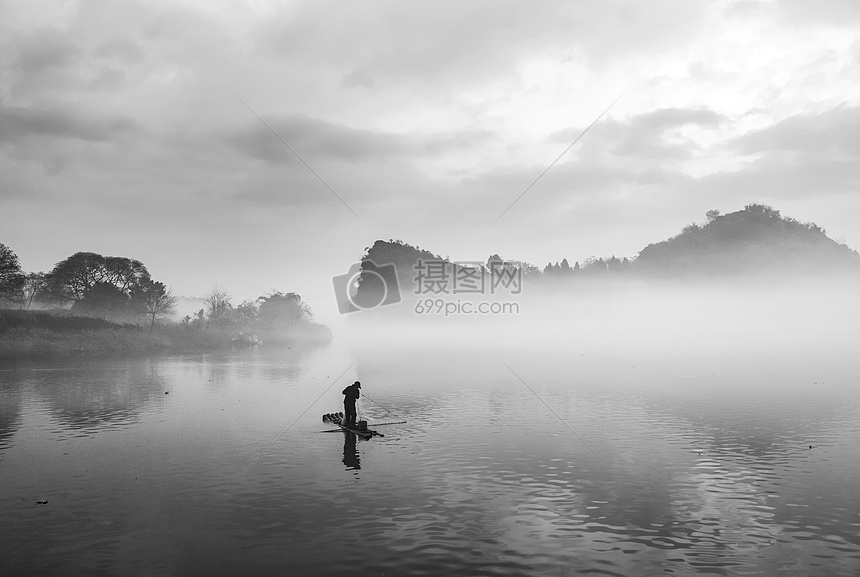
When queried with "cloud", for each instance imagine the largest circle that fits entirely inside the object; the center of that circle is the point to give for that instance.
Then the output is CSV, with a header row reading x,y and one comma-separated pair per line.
x,y
427,118
470,41
805,157
780,178
44,49
830,12
833,132
746,8
319,139
18,124
124,50
357,78
651,135
39,61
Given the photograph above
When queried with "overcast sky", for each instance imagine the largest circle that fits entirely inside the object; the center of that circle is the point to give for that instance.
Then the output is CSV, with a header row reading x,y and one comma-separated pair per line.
x,y
123,131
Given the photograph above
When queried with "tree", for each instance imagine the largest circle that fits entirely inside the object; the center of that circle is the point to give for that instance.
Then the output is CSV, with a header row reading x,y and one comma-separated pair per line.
x,y
613,264
104,300
280,311
493,258
217,304
691,228
712,215
33,287
12,278
124,273
154,300
245,314
762,209
71,278
565,267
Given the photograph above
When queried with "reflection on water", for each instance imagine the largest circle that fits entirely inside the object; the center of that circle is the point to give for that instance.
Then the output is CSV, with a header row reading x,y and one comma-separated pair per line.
x,y
115,396
350,452
10,410
719,468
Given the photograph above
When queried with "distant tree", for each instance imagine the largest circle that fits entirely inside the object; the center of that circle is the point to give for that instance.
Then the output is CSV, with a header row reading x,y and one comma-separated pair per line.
x,y
762,209
565,267
124,273
527,269
33,288
691,228
280,311
593,266
12,278
104,300
73,277
154,300
576,267
712,215
493,258
245,314
217,304
196,320
613,264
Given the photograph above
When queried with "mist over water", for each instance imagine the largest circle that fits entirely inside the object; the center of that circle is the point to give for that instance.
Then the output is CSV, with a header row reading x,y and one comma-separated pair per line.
x,y
660,318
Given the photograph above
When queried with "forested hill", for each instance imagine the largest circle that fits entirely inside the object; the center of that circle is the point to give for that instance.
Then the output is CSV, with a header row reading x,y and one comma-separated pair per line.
x,y
402,255
757,240
754,240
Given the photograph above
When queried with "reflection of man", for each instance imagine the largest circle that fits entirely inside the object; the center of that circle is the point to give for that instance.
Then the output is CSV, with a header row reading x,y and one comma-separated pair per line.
x,y
350,396
350,452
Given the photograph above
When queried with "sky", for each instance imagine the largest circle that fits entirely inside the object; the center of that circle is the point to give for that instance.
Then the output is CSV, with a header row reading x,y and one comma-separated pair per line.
x,y
263,145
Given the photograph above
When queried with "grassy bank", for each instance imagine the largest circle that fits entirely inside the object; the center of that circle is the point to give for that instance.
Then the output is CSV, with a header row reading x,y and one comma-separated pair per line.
x,y
37,334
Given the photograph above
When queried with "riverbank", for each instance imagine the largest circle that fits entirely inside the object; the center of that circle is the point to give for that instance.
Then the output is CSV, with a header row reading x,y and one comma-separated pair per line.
x,y
38,334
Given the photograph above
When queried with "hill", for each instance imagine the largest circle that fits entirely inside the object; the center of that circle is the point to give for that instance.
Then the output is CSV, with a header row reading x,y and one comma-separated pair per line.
x,y
754,241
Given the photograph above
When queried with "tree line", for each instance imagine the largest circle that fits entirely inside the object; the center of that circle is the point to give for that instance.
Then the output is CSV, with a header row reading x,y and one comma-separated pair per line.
x,y
268,315
89,284
121,289
755,240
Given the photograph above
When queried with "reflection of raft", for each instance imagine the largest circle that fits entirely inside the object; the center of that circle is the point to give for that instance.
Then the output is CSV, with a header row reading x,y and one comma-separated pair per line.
x,y
360,429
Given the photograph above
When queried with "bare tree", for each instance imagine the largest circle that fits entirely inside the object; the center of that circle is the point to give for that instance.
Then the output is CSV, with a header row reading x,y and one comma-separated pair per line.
x,y
34,284
217,304
155,300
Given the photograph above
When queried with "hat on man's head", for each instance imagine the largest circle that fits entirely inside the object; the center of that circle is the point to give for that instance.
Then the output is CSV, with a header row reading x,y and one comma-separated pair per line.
x,y
357,384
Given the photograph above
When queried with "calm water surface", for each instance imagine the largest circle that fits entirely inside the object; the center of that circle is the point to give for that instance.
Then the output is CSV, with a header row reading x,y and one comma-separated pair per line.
x,y
566,461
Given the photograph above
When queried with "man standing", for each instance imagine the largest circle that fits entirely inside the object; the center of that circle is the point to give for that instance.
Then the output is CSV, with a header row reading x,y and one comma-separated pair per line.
x,y
350,396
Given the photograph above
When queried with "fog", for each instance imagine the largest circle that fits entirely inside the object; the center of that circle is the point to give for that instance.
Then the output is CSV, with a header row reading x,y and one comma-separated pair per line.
x,y
772,318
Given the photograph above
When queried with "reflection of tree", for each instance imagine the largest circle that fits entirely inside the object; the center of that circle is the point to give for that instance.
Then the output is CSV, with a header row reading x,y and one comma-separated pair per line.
x,y
283,366
350,452
10,412
92,398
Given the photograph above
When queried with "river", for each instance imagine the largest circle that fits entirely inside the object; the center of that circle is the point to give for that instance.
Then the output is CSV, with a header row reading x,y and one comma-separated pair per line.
x,y
558,460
